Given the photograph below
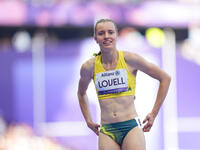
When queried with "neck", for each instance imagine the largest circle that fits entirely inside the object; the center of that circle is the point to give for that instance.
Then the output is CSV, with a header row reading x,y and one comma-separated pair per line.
x,y
109,57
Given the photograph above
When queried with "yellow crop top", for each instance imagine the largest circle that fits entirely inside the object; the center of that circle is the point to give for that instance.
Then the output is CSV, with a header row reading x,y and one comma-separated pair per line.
x,y
113,83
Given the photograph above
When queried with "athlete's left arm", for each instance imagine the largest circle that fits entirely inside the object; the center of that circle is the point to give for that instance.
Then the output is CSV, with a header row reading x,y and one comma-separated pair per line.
x,y
139,63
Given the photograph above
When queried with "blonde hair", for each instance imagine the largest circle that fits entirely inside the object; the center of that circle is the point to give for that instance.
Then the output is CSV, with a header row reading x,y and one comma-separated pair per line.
x,y
95,28
104,20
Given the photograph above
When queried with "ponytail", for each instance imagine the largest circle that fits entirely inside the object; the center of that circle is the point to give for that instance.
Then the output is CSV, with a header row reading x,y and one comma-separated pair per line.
x,y
96,54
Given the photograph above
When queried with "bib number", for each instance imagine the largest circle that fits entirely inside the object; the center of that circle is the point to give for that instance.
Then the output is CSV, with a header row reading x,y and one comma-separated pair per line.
x,y
113,81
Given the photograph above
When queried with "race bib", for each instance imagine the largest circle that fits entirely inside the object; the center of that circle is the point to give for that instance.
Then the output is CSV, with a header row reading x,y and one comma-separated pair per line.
x,y
113,81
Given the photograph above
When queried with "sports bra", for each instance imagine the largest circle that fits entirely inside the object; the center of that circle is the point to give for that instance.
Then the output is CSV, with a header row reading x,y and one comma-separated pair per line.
x,y
113,83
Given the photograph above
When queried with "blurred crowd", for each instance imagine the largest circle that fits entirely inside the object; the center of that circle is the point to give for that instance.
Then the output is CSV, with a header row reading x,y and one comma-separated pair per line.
x,y
190,47
47,2
106,1
22,137
21,41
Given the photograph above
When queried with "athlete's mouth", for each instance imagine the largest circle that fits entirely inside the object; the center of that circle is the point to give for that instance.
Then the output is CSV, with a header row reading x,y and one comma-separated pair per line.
x,y
107,42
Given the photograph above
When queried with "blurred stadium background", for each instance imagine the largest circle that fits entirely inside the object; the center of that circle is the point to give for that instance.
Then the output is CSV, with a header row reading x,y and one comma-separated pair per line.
x,y
43,44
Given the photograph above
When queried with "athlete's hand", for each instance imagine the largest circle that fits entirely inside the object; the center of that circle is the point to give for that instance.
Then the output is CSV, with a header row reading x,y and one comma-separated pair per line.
x,y
94,127
148,121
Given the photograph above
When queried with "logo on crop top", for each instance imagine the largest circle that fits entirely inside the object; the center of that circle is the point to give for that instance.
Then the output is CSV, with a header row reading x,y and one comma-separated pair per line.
x,y
117,72
107,74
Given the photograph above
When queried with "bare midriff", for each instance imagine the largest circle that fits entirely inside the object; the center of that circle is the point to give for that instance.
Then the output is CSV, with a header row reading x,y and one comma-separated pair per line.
x,y
117,109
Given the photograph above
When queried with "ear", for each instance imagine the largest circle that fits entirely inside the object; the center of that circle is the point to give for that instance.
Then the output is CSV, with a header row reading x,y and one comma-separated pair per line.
x,y
95,39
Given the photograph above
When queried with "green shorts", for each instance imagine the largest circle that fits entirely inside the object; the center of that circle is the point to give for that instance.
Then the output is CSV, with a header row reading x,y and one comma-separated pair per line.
x,y
118,131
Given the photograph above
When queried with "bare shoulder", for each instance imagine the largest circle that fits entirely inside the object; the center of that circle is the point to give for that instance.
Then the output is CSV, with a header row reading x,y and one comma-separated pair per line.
x,y
131,58
145,66
87,68
129,54
139,62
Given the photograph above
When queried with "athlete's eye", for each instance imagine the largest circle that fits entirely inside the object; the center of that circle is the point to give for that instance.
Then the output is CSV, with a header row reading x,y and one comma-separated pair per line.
x,y
100,33
111,32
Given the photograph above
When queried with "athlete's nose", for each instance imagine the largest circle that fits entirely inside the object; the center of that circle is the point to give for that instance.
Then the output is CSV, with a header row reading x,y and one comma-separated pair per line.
x,y
106,35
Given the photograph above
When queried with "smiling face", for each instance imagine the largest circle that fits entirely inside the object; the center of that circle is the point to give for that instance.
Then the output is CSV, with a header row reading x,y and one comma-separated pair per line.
x,y
106,35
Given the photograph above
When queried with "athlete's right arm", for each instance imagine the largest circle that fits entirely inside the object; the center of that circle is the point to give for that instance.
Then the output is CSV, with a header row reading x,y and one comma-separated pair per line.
x,y
86,74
